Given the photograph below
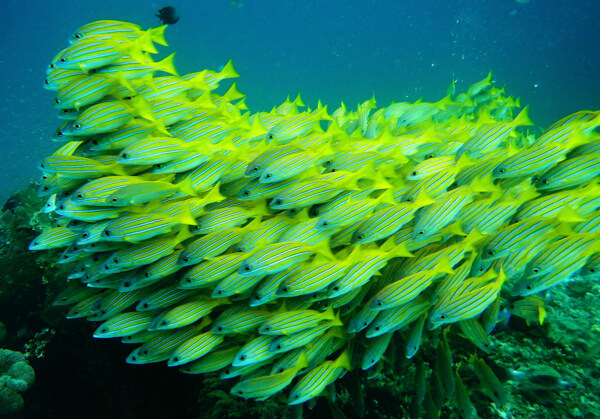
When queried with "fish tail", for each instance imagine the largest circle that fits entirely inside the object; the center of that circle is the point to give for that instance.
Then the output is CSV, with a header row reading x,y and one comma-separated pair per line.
x,y
228,72
167,65
158,35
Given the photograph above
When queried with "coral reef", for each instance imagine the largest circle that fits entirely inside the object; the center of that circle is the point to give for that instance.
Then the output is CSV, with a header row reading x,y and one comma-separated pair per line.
x,y
16,376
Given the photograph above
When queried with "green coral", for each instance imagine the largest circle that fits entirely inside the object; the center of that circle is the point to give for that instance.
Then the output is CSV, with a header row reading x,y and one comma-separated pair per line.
x,y
16,376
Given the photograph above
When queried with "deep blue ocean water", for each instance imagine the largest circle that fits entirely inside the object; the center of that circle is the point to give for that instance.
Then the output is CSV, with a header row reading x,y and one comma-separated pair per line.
x,y
544,51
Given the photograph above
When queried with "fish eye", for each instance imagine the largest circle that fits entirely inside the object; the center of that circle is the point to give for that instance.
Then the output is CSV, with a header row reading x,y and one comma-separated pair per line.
x,y
443,317
107,232
76,126
247,269
77,36
267,176
278,202
147,275
242,357
255,169
535,270
80,196
220,328
501,170
246,193
59,133
332,171
114,200
124,155
126,284
528,287
360,237
592,270
420,233
490,252
408,199
52,66
62,60
145,305
83,235
413,173
544,181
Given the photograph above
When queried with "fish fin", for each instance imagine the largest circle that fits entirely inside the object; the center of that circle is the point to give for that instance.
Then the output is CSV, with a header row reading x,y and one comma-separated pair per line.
x,y
228,72
167,65
158,35
213,195
186,187
323,248
343,361
302,362
522,118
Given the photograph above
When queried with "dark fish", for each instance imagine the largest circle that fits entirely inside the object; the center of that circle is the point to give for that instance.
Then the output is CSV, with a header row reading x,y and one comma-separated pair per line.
x,y
168,15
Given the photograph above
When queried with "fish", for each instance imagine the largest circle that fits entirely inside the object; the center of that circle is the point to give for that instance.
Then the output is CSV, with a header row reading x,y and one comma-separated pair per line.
x,y
168,15
53,238
265,386
123,324
290,322
530,308
277,257
315,381
194,348
461,304
107,29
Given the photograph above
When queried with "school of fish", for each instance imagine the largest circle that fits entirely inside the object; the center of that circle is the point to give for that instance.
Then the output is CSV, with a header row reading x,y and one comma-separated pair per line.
x,y
285,248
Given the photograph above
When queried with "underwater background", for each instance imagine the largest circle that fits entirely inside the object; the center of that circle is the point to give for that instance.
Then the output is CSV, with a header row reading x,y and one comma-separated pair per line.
x,y
543,52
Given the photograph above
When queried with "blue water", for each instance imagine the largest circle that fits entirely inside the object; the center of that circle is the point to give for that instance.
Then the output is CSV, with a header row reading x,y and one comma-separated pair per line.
x,y
545,51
